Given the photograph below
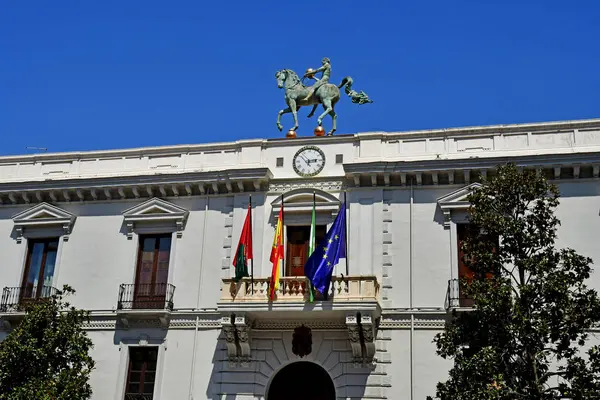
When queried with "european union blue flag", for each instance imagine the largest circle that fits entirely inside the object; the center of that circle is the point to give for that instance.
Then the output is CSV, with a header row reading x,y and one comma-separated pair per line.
x,y
319,267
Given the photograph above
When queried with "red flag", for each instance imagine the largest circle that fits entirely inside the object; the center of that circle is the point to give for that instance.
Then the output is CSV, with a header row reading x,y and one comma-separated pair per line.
x,y
244,249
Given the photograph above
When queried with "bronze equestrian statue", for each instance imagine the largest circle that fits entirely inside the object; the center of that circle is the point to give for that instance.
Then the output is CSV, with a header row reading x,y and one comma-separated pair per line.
x,y
322,92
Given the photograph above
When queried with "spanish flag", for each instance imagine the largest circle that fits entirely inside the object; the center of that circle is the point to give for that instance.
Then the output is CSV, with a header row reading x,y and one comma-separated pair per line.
x,y
277,255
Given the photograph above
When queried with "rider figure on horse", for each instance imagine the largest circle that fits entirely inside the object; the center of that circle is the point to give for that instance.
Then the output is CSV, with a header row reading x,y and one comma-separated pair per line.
x,y
325,68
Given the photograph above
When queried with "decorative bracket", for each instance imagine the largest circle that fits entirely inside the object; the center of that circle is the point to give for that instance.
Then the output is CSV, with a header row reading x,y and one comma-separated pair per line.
x,y
236,329
447,218
361,332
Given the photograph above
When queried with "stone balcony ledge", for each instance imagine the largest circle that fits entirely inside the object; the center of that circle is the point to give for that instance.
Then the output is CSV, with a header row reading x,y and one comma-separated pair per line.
x,y
293,289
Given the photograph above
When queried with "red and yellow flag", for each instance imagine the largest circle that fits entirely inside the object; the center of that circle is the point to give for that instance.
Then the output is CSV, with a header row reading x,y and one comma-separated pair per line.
x,y
276,256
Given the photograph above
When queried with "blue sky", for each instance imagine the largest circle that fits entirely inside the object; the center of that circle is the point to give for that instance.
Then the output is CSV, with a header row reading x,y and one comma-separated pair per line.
x,y
87,75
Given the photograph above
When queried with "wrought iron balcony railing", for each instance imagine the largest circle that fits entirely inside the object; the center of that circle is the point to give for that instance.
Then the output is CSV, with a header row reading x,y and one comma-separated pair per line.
x,y
455,297
294,288
15,298
150,296
130,396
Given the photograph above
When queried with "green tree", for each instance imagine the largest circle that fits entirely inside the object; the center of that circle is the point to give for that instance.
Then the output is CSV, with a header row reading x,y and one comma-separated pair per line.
x,y
46,356
526,338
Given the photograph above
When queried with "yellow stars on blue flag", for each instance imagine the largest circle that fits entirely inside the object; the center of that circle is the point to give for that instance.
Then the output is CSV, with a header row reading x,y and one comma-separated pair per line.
x,y
320,264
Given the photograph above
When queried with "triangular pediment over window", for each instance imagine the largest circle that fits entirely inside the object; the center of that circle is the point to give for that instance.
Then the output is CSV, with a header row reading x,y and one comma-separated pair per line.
x,y
456,200
43,216
301,200
155,214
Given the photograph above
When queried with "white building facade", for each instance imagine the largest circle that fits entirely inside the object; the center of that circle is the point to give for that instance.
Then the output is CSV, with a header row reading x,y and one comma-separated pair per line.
x,y
147,238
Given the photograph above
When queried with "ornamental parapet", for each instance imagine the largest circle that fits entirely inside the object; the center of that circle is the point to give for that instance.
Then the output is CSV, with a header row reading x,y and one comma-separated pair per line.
x,y
294,289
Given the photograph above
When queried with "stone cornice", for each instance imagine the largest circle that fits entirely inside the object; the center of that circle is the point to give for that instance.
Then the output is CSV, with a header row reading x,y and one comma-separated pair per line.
x,y
466,170
135,187
473,163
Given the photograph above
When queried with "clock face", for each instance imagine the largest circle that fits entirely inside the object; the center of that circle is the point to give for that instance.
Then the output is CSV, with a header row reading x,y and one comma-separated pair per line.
x,y
309,161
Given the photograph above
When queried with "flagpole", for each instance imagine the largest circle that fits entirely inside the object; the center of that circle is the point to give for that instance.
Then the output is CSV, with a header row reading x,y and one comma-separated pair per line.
x,y
313,246
251,247
283,235
347,223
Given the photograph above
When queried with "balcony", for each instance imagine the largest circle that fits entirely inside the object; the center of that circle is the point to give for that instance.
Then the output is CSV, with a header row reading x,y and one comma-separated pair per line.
x,y
15,299
349,293
145,301
455,300
294,289
352,304
139,396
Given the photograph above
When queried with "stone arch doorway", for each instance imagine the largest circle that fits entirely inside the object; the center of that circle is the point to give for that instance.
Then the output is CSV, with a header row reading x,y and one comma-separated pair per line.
x,y
301,380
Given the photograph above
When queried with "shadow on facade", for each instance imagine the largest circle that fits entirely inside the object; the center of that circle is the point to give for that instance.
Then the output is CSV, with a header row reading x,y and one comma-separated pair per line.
x,y
139,336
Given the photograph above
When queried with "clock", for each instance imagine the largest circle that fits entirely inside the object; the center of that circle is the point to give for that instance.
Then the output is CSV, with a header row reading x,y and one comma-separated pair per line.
x,y
309,161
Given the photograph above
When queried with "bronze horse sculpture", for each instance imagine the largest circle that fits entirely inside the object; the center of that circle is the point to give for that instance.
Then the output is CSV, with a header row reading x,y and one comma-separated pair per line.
x,y
326,94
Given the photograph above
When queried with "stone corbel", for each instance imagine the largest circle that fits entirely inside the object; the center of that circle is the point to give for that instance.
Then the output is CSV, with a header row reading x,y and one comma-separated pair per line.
x,y
236,330
242,328
66,231
361,333
130,229
354,335
447,218
179,225
368,336
19,231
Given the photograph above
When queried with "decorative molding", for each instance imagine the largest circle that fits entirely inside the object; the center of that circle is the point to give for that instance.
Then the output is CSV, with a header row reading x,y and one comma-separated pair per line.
x,y
301,200
430,319
128,319
134,186
155,212
226,261
387,253
456,200
281,186
41,216
291,324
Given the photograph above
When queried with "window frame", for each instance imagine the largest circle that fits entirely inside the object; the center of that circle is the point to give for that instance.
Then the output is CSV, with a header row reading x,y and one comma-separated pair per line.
x,y
142,372
139,340
27,267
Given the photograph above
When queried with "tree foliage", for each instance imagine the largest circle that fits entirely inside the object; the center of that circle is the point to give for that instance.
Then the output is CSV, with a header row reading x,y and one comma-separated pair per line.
x,y
527,336
46,356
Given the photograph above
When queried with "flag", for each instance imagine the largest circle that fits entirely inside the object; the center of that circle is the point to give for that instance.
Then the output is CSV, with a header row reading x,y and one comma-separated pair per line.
x,y
311,246
327,254
276,255
244,248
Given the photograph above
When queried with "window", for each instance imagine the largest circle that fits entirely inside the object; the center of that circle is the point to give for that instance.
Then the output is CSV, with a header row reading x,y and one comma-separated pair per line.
x,y
297,247
279,162
150,287
339,158
141,374
39,268
464,272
